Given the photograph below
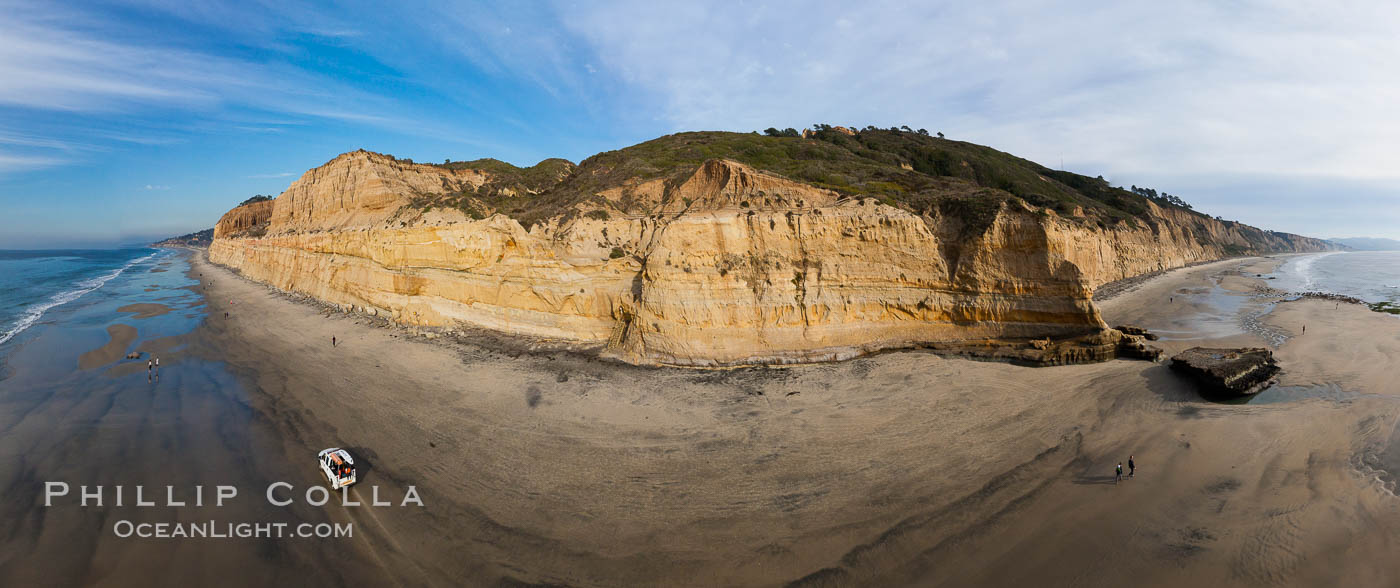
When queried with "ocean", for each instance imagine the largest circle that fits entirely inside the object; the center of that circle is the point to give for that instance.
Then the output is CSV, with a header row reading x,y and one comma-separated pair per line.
x,y
1372,276
57,305
33,282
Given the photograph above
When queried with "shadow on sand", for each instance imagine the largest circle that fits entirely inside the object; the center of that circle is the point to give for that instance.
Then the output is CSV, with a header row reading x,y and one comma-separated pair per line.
x,y
1094,480
1170,386
364,462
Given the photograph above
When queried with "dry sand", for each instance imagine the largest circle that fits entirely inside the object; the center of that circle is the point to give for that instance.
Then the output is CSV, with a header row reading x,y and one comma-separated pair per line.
x,y
121,337
899,468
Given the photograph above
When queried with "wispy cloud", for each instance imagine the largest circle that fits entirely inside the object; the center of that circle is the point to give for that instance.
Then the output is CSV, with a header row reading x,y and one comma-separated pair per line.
x,y
23,140
156,187
49,67
260,129
16,163
69,61
265,176
136,139
1197,86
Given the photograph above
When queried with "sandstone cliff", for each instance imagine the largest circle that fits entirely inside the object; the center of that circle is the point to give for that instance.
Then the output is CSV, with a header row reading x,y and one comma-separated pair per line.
x,y
248,220
660,260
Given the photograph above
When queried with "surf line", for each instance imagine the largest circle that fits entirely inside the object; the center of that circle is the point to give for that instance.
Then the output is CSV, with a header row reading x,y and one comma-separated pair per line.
x,y
34,312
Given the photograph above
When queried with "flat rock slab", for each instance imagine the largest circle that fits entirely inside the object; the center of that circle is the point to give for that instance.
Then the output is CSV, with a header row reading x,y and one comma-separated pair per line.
x,y
1227,372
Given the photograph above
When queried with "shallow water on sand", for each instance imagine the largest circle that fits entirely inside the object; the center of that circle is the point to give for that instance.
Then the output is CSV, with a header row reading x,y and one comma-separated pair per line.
x,y
66,330
1216,313
1373,276
187,424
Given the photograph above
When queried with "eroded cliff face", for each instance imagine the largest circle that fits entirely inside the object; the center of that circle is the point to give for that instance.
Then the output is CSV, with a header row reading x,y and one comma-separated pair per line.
x,y
1168,238
362,189
730,266
246,220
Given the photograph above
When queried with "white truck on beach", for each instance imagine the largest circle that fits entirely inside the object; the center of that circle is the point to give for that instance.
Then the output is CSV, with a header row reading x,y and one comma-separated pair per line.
x,y
337,466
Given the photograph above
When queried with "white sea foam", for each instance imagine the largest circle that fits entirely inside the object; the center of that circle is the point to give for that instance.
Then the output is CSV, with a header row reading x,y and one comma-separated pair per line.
x,y
1303,269
34,312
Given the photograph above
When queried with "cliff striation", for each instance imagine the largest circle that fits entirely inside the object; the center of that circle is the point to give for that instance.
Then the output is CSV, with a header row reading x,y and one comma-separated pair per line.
x,y
725,249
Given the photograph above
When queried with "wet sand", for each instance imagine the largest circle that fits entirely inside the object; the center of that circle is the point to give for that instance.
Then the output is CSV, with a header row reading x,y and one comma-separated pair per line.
x,y
121,337
145,309
905,468
190,426
899,468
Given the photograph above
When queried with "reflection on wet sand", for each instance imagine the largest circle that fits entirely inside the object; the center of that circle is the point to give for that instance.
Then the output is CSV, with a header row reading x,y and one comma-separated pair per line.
x,y
145,309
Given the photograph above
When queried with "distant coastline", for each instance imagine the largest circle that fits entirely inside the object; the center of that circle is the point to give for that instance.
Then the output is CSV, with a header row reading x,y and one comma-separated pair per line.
x,y
196,239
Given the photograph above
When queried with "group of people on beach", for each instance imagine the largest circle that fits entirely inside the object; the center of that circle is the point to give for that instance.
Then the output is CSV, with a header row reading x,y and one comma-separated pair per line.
x,y
153,366
1132,469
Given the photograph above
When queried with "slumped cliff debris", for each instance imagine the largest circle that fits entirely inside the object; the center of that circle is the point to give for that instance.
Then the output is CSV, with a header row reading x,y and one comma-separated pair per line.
x,y
716,249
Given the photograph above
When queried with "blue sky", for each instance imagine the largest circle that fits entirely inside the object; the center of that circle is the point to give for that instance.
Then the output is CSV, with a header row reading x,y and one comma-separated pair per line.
x,y
125,121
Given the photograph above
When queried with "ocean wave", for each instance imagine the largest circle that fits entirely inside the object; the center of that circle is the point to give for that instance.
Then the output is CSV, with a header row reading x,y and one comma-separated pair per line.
x,y
36,311
1303,268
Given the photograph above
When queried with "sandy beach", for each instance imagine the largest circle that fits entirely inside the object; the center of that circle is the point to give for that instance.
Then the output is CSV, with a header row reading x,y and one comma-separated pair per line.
x,y
544,466
899,468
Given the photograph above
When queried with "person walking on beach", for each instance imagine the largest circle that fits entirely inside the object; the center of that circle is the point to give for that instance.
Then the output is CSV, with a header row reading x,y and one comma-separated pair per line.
x,y
1118,475
150,365
332,340
1305,329
1132,467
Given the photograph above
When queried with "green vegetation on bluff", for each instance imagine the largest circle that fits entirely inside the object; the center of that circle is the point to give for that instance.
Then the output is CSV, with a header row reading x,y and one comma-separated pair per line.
x,y
536,178
255,198
510,190
908,169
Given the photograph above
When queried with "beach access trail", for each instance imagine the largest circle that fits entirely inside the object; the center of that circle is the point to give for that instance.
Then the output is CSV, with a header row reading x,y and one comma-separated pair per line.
x,y
897,468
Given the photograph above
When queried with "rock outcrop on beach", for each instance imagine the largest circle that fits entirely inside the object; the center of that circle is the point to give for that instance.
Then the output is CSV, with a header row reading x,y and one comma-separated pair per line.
x,y
1137,331
724,248
1227,372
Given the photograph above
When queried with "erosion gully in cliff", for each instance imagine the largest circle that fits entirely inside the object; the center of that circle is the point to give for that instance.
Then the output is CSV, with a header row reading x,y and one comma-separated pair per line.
x,y
663,253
